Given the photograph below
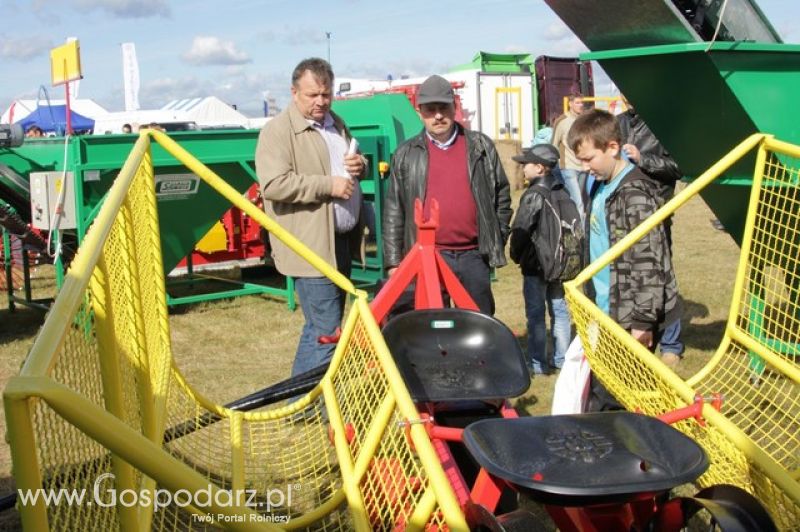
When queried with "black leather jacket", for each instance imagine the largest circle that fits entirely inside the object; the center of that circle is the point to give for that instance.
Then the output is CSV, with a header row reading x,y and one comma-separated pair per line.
x,y
521,248
655,160
408,181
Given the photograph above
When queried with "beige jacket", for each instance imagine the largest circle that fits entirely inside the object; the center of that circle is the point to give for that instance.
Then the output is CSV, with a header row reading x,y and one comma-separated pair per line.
x,y
293,168
568,158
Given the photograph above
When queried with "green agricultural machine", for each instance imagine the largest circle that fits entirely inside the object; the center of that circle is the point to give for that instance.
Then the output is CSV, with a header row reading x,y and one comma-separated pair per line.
x,y
187,208
380,123
703,76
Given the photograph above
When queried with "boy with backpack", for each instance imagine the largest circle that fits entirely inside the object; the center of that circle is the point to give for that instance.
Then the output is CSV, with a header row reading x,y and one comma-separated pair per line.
x,y
546,241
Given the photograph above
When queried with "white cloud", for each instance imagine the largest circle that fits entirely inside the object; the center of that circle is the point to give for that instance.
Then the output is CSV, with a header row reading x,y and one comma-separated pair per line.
x,y
516,49
241,88
556,31
301,36
215,51
43,11
293,36
24,48
129,8
398,69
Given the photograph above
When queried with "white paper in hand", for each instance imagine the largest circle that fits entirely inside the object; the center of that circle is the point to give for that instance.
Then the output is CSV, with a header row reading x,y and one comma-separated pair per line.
x,y
353,148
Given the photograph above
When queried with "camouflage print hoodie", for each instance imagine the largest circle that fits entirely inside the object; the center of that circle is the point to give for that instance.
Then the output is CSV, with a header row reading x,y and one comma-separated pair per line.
x,y
643,289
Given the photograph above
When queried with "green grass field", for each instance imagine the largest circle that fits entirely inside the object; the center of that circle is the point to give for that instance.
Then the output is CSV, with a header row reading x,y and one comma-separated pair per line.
x,y
232,347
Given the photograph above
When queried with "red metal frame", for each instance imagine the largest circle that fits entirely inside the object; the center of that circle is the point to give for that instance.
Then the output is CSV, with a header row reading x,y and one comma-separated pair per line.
x,y
425,265
244,236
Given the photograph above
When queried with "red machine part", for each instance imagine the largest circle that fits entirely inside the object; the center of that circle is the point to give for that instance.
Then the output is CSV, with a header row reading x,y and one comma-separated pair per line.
x,y
245,238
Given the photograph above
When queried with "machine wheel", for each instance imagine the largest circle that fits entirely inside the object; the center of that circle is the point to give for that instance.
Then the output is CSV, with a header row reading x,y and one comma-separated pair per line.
x,y
729,509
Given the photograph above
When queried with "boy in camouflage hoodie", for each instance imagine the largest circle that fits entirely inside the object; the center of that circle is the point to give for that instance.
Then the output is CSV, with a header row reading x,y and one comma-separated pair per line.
x,y
638,290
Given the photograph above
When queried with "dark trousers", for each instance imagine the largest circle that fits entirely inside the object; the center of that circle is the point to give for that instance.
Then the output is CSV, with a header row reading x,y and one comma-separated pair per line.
x,y
471,270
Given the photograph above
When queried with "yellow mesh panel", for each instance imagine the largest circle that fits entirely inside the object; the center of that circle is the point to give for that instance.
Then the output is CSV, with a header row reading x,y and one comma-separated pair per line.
x,y
104,349
755,442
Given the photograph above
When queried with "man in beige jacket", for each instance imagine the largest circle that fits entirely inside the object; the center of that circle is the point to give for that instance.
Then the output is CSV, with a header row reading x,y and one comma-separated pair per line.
x,y
309,181
571,168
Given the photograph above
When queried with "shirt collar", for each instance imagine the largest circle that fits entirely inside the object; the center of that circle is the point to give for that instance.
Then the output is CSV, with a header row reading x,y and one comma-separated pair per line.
x,y
327,122
446,144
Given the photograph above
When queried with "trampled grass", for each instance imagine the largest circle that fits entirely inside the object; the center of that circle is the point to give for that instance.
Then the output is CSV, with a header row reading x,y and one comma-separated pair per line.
x,y
230,348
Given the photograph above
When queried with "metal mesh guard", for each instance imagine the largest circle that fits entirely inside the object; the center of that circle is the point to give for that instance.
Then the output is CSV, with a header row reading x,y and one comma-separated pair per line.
x,y
753,442
101,402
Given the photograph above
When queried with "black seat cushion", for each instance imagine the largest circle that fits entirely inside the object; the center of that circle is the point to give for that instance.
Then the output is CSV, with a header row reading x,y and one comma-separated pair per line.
x,y
586,456
454,354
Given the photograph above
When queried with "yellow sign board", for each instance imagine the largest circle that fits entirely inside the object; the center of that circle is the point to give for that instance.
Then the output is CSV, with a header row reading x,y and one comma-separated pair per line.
x,y
65,63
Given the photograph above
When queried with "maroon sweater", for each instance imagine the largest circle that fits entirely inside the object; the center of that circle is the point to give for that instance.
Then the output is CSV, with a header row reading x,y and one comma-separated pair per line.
x,y
448,183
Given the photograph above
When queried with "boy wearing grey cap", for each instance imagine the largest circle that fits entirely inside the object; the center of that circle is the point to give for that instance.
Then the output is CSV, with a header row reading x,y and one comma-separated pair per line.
x,y
540,172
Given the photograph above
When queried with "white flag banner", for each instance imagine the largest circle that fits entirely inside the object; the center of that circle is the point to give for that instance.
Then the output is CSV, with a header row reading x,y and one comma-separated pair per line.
x,y
76,84
130,75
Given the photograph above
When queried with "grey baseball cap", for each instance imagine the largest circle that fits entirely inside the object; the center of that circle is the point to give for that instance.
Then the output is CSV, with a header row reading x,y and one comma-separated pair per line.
x,y
545,154
435,89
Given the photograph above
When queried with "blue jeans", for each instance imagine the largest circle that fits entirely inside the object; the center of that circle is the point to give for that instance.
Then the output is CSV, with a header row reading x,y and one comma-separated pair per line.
x,y
573,185
322,303
671,339
539,294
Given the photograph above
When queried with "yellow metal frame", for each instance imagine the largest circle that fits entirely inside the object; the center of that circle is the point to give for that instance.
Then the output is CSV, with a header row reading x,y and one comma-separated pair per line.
x,y
100,393
507,90
752,442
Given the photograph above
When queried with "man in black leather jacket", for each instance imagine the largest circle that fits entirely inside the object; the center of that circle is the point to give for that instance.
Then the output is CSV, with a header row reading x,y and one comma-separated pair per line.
x,y
462,171
642,148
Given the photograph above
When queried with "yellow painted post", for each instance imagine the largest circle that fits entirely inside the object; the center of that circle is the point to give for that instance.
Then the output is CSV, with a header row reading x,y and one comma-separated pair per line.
x,y
160,353
422,443
18,405
237,453
102,306
747,238
134,447
355,502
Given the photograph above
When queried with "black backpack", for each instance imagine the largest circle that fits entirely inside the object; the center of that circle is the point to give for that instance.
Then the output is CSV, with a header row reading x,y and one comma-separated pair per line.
x,y
558,236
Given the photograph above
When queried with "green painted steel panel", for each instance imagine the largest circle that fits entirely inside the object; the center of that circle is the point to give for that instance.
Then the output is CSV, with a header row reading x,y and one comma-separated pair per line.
x,y
496,62
702,99
188,208
380,123
97,159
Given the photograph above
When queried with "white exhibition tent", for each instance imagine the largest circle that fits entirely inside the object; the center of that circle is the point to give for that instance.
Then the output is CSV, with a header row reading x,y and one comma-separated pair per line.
x,y
113,122
208,112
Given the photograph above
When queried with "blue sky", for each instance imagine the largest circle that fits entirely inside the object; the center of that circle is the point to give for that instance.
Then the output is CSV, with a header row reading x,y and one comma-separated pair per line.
x,y
237,49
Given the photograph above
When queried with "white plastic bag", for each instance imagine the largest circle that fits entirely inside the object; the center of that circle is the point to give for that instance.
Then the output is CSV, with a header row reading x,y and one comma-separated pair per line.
x,y
572,386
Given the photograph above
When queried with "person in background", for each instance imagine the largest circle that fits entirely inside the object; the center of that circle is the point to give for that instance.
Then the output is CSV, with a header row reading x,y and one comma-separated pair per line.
x,y
34,131
642,148
544,135
309,182
126,128
571,169
461,170
540,168
639,289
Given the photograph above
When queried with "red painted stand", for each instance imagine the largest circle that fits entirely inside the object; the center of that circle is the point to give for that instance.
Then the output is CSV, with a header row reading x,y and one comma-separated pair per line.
x,y
425,265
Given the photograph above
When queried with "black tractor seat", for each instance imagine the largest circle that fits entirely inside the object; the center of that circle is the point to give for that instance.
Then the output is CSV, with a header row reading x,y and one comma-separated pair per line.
x,y
584,459
454,354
